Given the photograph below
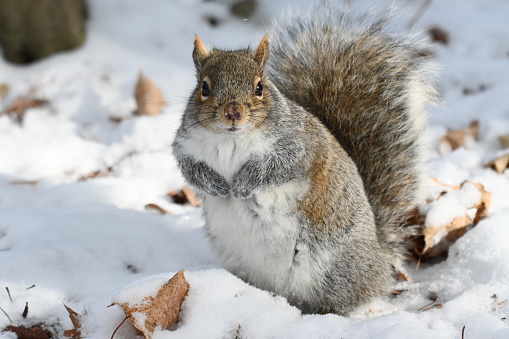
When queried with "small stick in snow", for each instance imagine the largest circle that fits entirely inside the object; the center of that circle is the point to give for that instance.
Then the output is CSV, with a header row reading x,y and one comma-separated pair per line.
x,y
433,304
122,323
25,311
6,314
463,332
9,293
30,287
419,14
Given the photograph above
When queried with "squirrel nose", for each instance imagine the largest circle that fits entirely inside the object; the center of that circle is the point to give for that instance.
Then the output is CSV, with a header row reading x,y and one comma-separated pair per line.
x,y
233,116
233,112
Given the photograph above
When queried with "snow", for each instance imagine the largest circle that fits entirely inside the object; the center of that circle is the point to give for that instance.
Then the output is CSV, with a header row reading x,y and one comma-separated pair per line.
x,y
86,242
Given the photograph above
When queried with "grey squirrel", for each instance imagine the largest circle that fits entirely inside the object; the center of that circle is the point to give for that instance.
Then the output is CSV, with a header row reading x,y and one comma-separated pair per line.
x,y
308,160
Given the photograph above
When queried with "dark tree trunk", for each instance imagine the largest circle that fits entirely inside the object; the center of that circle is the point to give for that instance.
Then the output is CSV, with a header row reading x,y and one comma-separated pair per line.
x,y
33,29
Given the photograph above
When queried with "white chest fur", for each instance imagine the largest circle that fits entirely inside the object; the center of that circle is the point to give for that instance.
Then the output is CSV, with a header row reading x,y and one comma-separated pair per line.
x,y
256,238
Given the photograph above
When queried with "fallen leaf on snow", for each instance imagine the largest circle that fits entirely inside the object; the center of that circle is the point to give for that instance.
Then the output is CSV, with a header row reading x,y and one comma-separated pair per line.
x,y
4,88
184,196
95,174
19,106
400,276
162,310
500,163
434,239
455,139
34,332
156,208
439,35
503,140
75,333
149,98
23,182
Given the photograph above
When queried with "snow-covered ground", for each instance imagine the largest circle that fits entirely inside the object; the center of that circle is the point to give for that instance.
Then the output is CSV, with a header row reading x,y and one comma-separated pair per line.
x,y
80,242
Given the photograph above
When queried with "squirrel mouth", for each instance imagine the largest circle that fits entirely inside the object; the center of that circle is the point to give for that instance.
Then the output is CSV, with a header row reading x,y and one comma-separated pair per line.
x,y
232,129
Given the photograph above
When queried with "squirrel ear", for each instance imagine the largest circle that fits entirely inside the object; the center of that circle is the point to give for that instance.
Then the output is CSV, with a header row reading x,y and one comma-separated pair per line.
x,y
199,52
262,52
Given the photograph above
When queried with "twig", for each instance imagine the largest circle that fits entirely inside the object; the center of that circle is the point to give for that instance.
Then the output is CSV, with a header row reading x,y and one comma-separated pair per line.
x,y
25,311
9,293
122,323
6,314
418,262
30,287
429,306
463,332
419,14
432,306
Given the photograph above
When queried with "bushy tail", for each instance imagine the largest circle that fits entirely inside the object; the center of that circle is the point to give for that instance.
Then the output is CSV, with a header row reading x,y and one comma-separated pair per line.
x,y
369,87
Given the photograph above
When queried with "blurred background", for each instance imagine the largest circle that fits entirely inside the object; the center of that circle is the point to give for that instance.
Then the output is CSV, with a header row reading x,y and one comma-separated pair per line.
x,y
91,93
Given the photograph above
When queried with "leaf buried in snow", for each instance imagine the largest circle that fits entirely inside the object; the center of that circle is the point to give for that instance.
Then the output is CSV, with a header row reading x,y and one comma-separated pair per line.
x,y
435,239
34,332
75,333
455,139
162,310
148,97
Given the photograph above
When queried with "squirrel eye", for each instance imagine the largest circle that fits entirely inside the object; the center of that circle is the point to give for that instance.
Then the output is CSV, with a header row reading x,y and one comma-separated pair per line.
x,y
259,89
205,89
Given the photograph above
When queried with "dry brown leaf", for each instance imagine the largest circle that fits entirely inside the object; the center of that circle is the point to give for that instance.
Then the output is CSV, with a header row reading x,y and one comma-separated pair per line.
x,y
503,140
453,230
116,120
434,241
95,174
475,90
23,182
34,332
19,106
75,333
156,208
4,88
162,310
184,196
149,98
456,139
439,35
499,164
400,276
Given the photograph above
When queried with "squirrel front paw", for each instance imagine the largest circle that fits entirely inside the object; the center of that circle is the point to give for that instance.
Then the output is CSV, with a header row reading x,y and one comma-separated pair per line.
x,y
204,178
218,186
246,181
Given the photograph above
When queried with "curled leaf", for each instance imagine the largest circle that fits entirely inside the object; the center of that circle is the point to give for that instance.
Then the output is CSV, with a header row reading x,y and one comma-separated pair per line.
x,y
457,138
184,196
436,236
162,310
75,333
499,164
148,97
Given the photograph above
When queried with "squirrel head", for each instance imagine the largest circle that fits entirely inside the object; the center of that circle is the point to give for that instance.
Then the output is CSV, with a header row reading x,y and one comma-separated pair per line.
x,y
232,94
